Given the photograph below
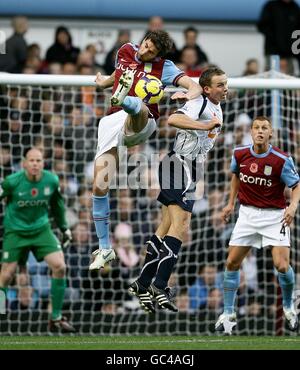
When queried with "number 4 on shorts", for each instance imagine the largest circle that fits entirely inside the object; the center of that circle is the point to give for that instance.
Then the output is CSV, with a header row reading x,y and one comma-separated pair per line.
x,y
282,230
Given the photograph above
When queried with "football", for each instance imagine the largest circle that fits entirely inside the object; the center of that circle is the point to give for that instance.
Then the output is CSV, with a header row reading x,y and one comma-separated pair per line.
x,y
150,89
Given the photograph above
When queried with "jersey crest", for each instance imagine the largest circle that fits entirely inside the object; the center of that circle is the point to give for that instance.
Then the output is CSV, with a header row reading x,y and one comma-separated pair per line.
x,y
47,190
267,170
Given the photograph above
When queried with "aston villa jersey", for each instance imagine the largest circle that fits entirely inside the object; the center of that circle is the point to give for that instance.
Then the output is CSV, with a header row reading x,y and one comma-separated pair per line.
x,y
263,177
164,69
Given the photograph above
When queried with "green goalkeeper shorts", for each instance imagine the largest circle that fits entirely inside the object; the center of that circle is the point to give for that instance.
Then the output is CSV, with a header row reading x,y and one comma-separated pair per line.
x,y
16,246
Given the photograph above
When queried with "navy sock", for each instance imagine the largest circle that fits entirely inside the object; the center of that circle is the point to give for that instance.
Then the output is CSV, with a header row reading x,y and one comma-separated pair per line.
x,y
151,261
167,260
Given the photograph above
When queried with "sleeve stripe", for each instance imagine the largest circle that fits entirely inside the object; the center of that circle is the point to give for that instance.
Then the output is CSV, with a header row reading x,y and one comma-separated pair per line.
x,y
293,186
177,78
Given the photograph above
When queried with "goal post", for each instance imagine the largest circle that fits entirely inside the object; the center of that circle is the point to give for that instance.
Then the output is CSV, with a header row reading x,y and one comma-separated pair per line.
x,y
60,115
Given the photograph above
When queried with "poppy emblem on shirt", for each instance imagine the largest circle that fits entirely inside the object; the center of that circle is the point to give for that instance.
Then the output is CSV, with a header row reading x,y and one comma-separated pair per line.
x,y
254,167
34,192
268,170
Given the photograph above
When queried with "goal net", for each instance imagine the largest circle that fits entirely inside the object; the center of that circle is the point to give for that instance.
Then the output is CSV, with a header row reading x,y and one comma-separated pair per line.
x,y
60,115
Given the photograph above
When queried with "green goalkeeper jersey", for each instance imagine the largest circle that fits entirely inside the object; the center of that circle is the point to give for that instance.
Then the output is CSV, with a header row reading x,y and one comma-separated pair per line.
x,y
28,202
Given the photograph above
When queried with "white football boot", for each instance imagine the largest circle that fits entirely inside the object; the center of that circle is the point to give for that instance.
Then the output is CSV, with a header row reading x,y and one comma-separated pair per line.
x,y
101,257
226,322
291,318
123,88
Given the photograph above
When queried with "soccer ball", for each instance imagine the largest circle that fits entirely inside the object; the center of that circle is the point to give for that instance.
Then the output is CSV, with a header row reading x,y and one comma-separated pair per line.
x,y
150,89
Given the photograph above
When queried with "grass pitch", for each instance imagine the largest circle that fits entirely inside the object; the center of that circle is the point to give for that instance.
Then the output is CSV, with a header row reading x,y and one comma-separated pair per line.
x,y
146,342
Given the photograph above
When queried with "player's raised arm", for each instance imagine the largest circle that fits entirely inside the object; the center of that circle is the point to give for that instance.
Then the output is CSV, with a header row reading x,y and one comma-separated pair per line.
x,y
184,122
193,89
105,82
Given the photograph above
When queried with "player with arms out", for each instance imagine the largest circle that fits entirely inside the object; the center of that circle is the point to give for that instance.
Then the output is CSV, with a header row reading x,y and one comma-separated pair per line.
x,y
199,123
130,121
260,173
29,193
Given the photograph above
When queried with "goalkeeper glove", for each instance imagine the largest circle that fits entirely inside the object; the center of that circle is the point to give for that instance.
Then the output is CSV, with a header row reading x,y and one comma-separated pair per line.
x,y
67,238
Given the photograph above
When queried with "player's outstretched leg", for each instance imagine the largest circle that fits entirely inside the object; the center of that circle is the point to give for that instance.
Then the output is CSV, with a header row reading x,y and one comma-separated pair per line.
x,y
131,104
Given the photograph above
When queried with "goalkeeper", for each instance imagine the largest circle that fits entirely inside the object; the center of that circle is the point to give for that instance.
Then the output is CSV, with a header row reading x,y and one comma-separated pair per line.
x,y
29,194
199,124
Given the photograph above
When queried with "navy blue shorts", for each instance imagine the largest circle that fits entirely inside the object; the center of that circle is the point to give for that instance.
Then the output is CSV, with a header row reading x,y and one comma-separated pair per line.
x,y
178,177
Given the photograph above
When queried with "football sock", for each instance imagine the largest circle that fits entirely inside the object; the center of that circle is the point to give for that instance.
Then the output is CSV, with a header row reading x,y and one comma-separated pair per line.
x,y
58,287
230,286
167,259
286,282
151,261
132,105
101,213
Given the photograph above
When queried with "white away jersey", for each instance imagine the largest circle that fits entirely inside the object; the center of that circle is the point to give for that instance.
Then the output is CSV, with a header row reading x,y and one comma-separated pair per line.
x,y
197,143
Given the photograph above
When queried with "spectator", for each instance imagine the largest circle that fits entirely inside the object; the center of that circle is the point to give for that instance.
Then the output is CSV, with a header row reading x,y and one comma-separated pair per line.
x,y
109,64
203,285
16,47
77,259
157,23
242,126
190,36
189,62
252,67
125,249
277,21
62,51
91,48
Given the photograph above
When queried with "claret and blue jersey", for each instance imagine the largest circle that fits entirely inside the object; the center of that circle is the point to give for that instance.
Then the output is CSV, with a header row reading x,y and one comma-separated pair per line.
x,y
164,69
263,177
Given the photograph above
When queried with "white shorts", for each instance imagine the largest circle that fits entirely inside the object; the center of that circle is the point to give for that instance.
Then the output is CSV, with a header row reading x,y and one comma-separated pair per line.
x,y
111,132
260,227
